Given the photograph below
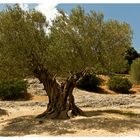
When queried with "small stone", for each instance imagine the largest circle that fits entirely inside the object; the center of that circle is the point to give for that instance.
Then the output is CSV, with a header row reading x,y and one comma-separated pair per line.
x,y
40,121
70,114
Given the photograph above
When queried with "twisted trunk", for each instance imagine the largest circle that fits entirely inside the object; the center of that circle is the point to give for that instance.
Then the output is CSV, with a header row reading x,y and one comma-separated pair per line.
x,y
61,100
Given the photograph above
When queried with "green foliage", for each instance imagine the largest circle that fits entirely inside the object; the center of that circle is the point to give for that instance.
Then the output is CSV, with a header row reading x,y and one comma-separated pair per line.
x,y
135,71
119,84
89,82
13,89
25,46
23,42
91,40
131,54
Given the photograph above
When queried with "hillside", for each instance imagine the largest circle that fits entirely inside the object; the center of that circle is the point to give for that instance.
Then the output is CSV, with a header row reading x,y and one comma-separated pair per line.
x,y
108,114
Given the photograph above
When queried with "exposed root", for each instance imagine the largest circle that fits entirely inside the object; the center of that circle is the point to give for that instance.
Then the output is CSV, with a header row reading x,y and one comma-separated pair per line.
x,y
65,114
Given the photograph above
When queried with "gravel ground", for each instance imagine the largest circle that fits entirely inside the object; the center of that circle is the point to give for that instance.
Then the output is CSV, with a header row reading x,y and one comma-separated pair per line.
x,y
87,99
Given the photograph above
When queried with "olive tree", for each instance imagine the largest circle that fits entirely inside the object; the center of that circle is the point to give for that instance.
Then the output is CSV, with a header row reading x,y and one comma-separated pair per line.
x,y
89,41
76,44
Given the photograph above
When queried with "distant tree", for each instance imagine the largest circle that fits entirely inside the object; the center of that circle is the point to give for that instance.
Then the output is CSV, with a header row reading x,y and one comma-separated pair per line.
x,y
76,44
131,54
135,71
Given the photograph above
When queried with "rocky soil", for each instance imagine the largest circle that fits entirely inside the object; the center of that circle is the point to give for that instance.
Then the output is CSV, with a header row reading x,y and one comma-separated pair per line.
x,y
108,114
86,99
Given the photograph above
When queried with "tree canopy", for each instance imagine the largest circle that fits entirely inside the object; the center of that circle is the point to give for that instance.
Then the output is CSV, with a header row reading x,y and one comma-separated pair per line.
x,y
87,40
23,41
75,42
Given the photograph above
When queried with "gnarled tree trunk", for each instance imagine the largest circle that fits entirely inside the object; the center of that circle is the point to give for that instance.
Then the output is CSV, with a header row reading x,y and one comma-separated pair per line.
x,y
61,100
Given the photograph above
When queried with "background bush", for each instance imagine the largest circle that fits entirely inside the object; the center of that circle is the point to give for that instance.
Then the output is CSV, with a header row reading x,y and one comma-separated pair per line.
x,y
135,71
13,89
119,84
89,82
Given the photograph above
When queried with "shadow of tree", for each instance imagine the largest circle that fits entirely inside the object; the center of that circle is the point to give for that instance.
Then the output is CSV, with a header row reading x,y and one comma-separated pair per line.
x,y
109,124
26,125
101,90
98,90
112,111
132,92
3,112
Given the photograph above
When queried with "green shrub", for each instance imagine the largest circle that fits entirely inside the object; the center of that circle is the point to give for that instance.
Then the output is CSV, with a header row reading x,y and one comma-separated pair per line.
x,y
13,89
119,84
135,71
89,82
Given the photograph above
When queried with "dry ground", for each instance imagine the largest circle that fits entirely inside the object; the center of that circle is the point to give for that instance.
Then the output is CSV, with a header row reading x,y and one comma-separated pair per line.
x,y
108,114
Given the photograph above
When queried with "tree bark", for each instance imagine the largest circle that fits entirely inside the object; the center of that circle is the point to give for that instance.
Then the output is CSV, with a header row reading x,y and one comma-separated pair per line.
x,y
61,100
